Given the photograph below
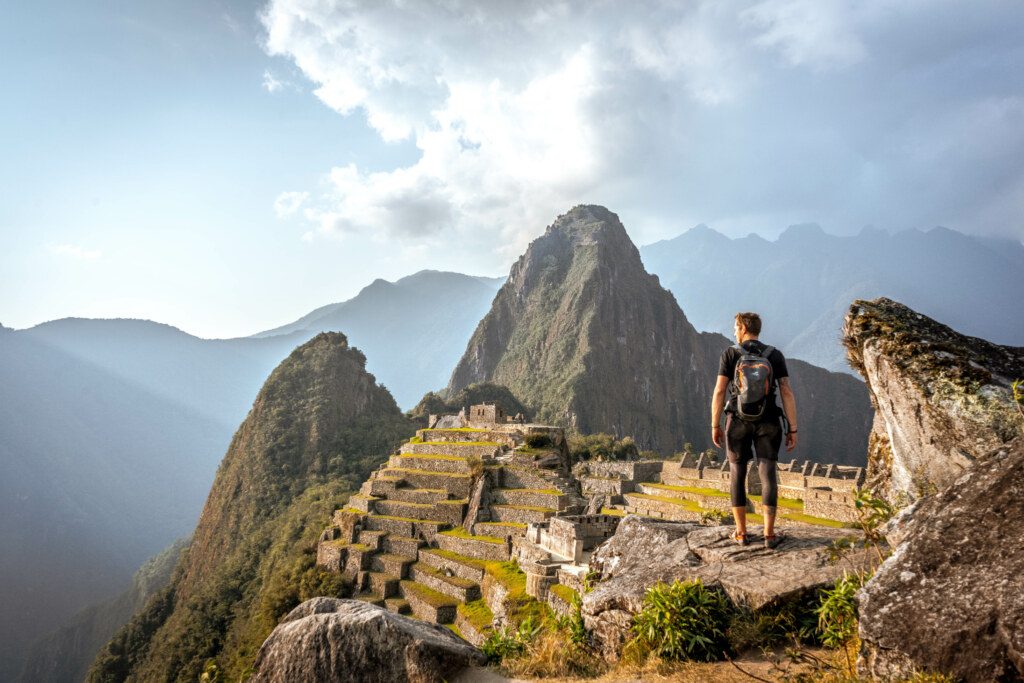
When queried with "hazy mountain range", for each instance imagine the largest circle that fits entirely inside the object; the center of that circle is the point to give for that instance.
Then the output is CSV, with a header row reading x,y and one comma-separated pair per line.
x,y
803,282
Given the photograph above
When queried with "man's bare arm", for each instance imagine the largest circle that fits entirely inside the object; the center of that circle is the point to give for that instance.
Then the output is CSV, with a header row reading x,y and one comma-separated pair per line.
x,y
717,406
789,406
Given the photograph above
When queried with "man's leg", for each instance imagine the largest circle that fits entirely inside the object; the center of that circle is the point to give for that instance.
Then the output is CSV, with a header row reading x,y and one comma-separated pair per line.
x,y
739,449
767,471
767,441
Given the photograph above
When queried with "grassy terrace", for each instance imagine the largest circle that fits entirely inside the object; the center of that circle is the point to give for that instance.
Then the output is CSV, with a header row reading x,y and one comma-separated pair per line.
x,y
551,492
688,504
478,614
410,519
459,532
429,595
411,470
457,429
461,559
529,508
698,490
433,456
613,511
788,503
564,592
453,580
504,525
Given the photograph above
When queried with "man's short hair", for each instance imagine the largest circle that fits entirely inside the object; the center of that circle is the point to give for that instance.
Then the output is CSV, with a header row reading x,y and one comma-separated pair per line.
x,y
751,322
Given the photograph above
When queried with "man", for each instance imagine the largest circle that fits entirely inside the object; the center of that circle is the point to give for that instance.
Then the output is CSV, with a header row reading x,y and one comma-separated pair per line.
x,y
754,426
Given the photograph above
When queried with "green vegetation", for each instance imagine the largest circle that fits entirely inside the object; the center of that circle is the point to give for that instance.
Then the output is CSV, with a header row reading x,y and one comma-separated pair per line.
x,y
456,557
682,620
459,444
478,614
601,447
428,595
786,503
564,592
697,490
318,427
837,614
510,641
460,532
613,511
457,429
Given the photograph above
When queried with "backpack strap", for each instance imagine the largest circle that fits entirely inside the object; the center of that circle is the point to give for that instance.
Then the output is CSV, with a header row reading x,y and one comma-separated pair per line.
x,y
767,351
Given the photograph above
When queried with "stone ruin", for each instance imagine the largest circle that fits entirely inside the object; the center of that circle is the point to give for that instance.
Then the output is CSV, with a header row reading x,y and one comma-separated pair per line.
x,y
431,531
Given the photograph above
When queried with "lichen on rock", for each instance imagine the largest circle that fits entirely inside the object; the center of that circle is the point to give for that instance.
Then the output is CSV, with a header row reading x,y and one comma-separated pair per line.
x,y
942,399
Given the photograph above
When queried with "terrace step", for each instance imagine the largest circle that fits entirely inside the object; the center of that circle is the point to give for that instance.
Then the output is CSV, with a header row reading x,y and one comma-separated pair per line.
x,y
362,502
475,621
359,557
460,565
381,583
393,565
422,496
382,485
402,545
540,498
457,485
450,464
456,587
398,606
371,538
465,434
520,514
708,498
479,547
370,598
404,526
500,529
465,449
662,507
427,604
446,511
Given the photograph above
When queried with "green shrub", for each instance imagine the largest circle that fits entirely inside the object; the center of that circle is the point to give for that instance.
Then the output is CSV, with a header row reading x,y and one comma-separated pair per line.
x,y
682,620
510,642
837,613
601,447
793,621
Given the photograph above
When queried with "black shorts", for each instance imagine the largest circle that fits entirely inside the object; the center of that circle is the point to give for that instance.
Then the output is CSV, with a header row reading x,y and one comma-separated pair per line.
x,y
743,438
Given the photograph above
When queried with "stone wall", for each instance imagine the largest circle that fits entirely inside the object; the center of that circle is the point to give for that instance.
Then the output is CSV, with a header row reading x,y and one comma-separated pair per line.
x,y
830,504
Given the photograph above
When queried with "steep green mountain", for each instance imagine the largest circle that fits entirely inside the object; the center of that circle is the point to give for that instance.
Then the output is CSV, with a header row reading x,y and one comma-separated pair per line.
x,y
65,656
413,329
803,282
586,338
318,426
96,475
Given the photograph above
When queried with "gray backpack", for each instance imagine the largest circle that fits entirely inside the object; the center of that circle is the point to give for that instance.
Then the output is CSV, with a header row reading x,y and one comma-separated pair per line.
x,y
752,383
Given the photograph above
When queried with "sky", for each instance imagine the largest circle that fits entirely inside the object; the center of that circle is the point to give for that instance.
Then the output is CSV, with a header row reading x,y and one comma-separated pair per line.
x,y
225,167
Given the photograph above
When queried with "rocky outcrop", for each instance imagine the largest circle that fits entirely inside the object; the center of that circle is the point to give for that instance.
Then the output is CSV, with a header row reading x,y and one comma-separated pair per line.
x,y
588,339
644,552
949,599
325,639
942,399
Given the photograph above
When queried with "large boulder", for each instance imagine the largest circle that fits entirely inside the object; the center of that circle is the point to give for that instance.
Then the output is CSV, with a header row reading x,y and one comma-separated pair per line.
x,y
941,399
644,552
326,639
951,597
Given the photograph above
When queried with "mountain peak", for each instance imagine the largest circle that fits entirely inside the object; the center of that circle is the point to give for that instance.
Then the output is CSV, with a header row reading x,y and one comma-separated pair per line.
x,y
589,224
802,231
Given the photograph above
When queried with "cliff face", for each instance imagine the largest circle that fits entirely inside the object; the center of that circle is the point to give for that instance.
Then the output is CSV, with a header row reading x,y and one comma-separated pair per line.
x,y
588,339
583,335
317,427
941,399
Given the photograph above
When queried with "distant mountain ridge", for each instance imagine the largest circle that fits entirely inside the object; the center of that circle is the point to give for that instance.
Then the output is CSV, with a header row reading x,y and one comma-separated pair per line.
x,y
803,282
586,338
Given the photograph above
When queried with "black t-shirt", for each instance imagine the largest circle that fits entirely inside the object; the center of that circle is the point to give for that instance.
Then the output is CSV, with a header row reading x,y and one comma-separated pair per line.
x,y
731,356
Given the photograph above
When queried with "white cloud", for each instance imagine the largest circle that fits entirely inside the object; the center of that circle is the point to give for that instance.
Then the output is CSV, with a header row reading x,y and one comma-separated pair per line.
x,y
271,83
675,113
287,203
76,252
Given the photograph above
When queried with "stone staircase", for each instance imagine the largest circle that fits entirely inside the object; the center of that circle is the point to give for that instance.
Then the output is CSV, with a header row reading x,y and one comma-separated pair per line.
x,y
407,545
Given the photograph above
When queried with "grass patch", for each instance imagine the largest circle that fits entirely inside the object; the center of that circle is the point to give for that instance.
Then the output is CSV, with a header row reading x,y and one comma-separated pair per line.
x,y
528,508
432,456
460,532
453,580
456,429
788,503
509,525
564,592
353,511
407,519
688,504
455,629
461,501
548,492
413,470
478,614
456,557
428,595
615,512
817,521
698,490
